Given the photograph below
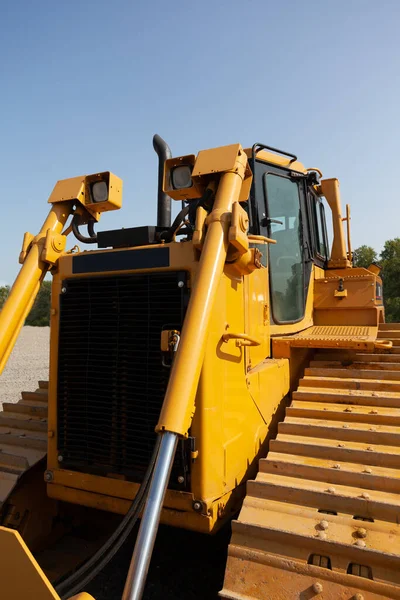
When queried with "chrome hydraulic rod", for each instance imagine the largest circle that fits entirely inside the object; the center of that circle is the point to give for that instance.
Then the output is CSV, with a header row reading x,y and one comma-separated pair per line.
x,y
141,557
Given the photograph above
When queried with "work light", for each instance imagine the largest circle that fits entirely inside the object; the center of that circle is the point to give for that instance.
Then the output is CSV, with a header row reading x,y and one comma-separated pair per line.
x,y
182,177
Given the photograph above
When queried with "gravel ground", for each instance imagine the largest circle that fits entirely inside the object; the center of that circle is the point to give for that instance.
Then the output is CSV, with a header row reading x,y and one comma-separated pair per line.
x,y
28,363
185,565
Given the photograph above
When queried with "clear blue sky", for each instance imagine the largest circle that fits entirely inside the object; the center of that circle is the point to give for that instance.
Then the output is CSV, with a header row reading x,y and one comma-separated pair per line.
x,y
85,84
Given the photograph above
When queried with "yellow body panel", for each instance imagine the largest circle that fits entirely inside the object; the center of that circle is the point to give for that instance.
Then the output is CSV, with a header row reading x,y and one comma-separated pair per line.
x,y
232,416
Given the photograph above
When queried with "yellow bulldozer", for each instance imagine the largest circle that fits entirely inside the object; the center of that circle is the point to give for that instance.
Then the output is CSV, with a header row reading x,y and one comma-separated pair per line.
x,y
230,365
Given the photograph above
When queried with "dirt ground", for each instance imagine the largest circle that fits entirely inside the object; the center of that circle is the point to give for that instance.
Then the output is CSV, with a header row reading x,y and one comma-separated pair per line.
x,y
185,565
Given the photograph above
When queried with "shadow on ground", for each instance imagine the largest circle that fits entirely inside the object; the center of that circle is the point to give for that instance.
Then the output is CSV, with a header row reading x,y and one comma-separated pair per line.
x,y
185,565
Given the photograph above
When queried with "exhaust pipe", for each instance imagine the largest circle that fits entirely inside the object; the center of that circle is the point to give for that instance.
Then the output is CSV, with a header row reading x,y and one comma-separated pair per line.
x,y
163,200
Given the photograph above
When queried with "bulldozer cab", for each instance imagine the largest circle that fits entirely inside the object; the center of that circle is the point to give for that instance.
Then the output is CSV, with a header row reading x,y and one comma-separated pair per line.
x,y
284,206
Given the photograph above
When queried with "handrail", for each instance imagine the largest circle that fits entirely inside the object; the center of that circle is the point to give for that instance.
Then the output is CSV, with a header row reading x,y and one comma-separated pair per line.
x,y
242,339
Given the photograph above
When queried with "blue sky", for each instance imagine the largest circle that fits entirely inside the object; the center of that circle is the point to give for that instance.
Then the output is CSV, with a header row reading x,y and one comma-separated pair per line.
x,y
84,85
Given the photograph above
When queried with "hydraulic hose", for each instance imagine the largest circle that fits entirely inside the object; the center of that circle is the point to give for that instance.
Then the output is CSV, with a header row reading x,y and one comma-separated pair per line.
x,y
92,567
82,238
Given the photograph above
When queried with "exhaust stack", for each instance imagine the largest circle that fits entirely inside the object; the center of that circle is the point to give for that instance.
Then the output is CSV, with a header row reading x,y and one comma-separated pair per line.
x,y
163,200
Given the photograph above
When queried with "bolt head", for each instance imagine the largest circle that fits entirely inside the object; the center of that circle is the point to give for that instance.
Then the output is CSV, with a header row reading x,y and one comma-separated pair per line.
x,y
48,476
368,470
197,506
365,496
60,458
323,525
181,479
331,490
63,290
361,532
358,596
336,466
360,543
317,587
181,284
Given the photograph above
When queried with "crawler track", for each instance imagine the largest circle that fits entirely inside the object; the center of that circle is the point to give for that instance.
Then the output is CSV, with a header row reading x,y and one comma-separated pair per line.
x,y
321,520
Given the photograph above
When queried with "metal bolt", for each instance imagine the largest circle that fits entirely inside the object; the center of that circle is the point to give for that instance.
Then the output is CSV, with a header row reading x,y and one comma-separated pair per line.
x,y
346,426
370,449
323,525
367,470
60,458
372,428
340,445
331,490
181,479
348,409
63,290
317,587
336,466
365,496
373,412
197,506
48,476
361,532
321,535
358,597
181,284
360,543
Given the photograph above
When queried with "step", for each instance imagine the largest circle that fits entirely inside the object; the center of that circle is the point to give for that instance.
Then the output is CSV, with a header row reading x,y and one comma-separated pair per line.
x,y
389,334
348,397
352,373
339,356
339,383
24,440
356,364
389,326
39,396
43,385
22,421
345,473
25,408
341,431
356,452
317,494
360,413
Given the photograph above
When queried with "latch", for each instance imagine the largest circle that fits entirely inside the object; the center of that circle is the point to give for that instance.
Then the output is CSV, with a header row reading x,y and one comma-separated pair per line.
x,y
170,339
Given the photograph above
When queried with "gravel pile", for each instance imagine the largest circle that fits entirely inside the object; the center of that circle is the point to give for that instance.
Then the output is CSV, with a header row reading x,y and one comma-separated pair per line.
x,y
28,363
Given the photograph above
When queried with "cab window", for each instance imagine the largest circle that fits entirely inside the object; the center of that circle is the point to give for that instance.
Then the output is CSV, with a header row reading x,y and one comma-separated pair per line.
x,y
286,256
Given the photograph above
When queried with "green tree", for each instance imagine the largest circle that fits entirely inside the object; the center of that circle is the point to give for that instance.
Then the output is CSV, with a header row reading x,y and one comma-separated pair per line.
x,y
364,256
40,313
4,291
390,261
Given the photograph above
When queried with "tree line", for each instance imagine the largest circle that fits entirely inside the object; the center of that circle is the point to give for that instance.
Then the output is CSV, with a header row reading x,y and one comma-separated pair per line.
x,y
389,260
39,315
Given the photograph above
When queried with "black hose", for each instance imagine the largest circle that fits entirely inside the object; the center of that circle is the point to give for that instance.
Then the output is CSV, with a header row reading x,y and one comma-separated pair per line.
x,y
169,233
80,578
82,238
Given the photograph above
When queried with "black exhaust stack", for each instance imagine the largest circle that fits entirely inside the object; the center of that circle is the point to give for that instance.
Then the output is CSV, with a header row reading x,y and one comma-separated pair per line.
x,y
163,201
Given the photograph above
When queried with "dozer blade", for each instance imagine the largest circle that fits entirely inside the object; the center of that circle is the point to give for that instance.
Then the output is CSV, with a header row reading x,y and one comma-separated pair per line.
x,y
321,520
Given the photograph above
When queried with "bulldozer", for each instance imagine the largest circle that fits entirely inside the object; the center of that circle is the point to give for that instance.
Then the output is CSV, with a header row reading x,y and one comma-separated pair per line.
x,y
230,365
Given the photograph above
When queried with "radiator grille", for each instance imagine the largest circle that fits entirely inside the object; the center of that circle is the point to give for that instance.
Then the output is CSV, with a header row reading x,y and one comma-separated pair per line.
x,y
111,381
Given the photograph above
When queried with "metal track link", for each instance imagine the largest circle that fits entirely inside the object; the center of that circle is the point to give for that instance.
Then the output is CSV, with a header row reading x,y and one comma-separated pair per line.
x,y
23,437
321,520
